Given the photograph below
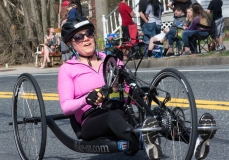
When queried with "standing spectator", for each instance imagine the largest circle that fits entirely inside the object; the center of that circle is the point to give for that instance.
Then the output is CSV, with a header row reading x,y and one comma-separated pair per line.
x,y
153,13
126,14
183,4
72,11
142,9
215,6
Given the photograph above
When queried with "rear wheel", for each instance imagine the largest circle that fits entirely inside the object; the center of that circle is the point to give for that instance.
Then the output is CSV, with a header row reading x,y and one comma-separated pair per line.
x,y
29,118
173,102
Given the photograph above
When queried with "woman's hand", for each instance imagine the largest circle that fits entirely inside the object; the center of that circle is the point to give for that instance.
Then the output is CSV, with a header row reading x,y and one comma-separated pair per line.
x,y
184,26
94,98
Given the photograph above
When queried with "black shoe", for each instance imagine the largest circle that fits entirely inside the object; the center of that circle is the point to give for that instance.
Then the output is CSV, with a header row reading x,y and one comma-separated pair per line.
x,y
158,43
202,147
49,64
151,139
169,54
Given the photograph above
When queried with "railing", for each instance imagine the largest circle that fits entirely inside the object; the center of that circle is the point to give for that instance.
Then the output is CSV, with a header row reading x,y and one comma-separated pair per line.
x,y
112,22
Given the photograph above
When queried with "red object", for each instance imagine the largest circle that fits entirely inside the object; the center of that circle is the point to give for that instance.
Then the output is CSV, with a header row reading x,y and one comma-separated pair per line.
x,y
65,3
42,53
53,53
133,31
125,11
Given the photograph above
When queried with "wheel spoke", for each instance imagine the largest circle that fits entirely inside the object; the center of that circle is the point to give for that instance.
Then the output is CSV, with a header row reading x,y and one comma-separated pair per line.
x,y
29,121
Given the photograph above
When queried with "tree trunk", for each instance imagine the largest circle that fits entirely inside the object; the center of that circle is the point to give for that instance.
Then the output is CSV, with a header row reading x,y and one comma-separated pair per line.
x,y
53,13
44,15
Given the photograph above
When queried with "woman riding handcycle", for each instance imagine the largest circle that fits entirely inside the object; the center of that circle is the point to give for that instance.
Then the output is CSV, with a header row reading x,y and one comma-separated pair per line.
x,y
163,122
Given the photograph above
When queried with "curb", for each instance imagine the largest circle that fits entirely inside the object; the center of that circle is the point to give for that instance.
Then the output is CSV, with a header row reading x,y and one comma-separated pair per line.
x,y
179,61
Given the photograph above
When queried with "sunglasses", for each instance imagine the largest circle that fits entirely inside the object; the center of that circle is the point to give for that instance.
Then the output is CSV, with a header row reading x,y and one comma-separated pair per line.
x,y
80,37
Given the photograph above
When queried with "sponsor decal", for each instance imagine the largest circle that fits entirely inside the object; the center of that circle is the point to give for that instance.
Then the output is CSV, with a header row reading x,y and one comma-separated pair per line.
x,y
123,145
91,148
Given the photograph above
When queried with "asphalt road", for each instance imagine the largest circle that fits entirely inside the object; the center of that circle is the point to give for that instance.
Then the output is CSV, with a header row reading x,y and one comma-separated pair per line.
x,y
210,83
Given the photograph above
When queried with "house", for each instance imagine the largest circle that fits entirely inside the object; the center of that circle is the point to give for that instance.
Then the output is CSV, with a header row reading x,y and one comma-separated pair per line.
x,y
110,22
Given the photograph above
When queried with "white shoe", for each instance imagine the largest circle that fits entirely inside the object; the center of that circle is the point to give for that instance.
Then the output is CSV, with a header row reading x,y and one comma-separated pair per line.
x,y
202,147
151,140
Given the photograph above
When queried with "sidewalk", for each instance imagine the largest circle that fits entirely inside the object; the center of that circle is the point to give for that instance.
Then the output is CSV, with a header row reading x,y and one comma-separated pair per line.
x,y
191,60
32,70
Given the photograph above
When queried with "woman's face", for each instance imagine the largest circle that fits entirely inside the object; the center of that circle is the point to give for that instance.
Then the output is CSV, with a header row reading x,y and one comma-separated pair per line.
x,y
189,13
84,42
51,30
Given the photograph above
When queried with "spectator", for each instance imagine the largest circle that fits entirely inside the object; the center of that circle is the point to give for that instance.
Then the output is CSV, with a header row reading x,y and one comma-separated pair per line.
x,y
183,4
153,13
168,35
51,42
179,20
215,6
149,28
72,11
189,15
199,17
142,9
126,14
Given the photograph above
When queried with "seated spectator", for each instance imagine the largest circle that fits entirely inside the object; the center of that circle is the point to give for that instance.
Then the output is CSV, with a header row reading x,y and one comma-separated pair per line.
x,y
199,17
51,42
183,4
178,22
155,40
168,35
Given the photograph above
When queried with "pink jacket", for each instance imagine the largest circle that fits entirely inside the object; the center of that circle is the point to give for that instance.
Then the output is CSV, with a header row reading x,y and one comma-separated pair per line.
x,y
75,81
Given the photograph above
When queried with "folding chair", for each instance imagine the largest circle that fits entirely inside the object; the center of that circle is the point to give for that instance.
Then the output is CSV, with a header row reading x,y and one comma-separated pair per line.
x,y
177,39
202,41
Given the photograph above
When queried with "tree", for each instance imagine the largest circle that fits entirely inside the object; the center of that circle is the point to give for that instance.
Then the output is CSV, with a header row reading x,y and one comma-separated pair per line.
x,y
23,25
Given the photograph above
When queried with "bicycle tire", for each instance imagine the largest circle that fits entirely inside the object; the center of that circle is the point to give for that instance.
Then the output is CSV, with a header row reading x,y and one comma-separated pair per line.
x,y
110,71
29,118
179,116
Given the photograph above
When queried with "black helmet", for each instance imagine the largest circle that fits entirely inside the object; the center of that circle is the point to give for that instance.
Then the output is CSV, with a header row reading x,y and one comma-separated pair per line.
x,y
71,26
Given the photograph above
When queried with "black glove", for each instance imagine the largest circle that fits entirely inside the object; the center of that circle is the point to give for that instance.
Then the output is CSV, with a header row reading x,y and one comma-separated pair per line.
x,y
91,97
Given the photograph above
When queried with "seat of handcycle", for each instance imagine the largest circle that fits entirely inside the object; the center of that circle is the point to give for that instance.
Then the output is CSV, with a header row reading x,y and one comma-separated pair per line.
x,y
77,129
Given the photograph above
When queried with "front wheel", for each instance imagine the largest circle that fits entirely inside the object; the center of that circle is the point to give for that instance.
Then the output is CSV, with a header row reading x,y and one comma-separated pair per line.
x,y
29,118
173,102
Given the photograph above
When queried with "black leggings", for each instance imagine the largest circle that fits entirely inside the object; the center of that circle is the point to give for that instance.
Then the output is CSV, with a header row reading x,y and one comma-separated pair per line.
x,y
107,123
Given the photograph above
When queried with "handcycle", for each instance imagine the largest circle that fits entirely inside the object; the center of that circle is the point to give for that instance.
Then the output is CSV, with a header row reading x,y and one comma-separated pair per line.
x,y
168,98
